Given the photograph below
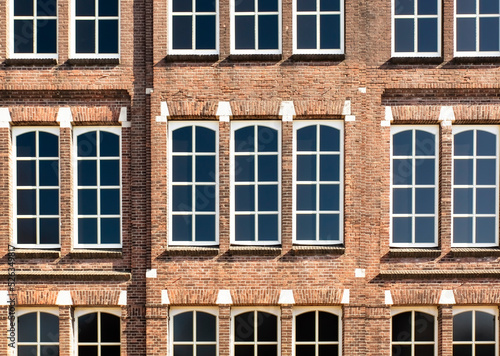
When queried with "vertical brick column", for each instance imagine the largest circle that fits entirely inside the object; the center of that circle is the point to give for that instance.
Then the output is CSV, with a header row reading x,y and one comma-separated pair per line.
x,y
286,186
353,331
63,32
224,186
378,331
287,28
385,190
5,189
5,349
448,18
224,330
286,330
445,331
65,331
157,337
445,174
127,241
66,190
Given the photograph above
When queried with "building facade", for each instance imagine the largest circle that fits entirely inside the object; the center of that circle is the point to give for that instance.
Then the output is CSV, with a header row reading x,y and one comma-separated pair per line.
x,y
250,177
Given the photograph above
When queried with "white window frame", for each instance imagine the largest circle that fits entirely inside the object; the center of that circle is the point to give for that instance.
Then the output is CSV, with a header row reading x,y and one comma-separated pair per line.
x,y
485,309
494,130
96,18
17,131
83,311
415,17
339,125
255,13
236,125
270,310
318,13
176,311
35,18
395,129
301,310
477,16
172,126
193,14
24,311
76,132
428,310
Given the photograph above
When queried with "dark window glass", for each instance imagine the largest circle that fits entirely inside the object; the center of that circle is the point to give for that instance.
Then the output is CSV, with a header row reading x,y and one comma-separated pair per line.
x,y
110,231
26,231
23,7
244,5
466,34
462,230
306,5
205,327
306,167
329,139
329,227
205,32
182,198
110,172
329,5
182,168
268,197
268,168
86,144
329,31
85,36
268,32
428,35
305,326
306,32
49,231
466,7
205,198
49,202
244,139
486,143
85,7
424,200
245,228
182,32
182,139
27,328
87,328
463,143
424,327
108,36
205,228
110,350
488,7
306,227
26,202
110,328
402,201
87,173
427,7
402,143
46,7
488,34
401,230
329,167
109,145
404,7
404,30
267,139
26,350
49,328
424,171
49,173
463,171
48,145
87,351
306,197
205,5
306,139
87,201
87,230
26,146
402,171
182,226
182,6
110,201
328,327
46,36
205,168
108,8
244,32
485,230
244,168
329,197
268,5
244,197
23,36
268,230
205,139
51,350
244,327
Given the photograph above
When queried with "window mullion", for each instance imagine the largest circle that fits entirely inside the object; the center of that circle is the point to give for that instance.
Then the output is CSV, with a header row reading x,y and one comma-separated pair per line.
x,y
193,182
318,185
318,27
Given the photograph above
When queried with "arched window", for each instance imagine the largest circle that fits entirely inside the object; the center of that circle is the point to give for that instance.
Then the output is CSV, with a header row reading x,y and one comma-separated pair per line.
x,y
474,333
317,333
255,333
413,333
194,333
98,334
37,334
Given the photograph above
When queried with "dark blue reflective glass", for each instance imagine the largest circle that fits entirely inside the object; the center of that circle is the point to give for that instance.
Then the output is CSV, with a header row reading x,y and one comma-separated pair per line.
x,y
306,168
463,143
244,227
402,144
110,172
182,6
462,201
402,201
485,200
306,139
404,33
46,36
466,7
205,198
306,227
488,7
329,227
87,230
244,168
108,36
85,36
306,5
402,171
424,230
244,196
488,34
329,5
485,230
427,35
205,139
182,198
401,230
427,7
404,7
206,350
329,32
48,145
87,201
268,197
329,195
425,143
205,169
49,231
23,7
205,5
108,7
268,168
49,201
462,230
23,36
26,173
244,28
110,230
486,143
109,145
26,145
26,202
49,173
244,139
424,201
268,32
425,171
244,5
182,168
110,201
26,231
463,171
182,32
267,139
486,172
306,32
268,5
85,7
466,34
182,227
86,144
268,228
182,140
329,167
329,139
205,228
87,173
306,197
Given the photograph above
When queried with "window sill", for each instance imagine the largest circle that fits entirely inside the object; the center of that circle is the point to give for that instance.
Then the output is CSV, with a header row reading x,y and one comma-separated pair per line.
x,y
93,61
31,61
255,250
91,254
443,273
416,60
29,254
475,252
476,60
255,57
317,250
318,57
192,58
192,251
414,252
68,275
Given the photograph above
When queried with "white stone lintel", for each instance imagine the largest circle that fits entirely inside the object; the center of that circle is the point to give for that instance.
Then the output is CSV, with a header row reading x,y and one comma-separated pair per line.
x,y
388,297
123,117
286,297
165,300
64,117
224,111
64,298
346,294
4,297
287,111
447,297
122,300
164,113
224,297
346,110
446,115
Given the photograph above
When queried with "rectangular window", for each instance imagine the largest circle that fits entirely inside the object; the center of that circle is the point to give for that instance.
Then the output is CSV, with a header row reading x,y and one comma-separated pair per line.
x,y
193,27
193,183
477,31
414,186
318,190
414,332
98,181
37,332
37,187
97,332
96,28
256,26
255,188
33,29
475,182
475,331
318,26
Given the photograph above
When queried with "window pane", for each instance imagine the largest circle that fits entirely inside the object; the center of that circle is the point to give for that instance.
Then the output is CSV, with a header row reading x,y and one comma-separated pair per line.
x,y
268,168
49,173
402,171
486,172
182,226
424,171
244,139
267,327
404,7
182,168
49,201
49,145
26,202
306,5
402,143
306,139
110,201
267,139
463,143
268,228
305,350
305,326
485,200
329,227
87,231
87,144
110,350
329,197
244,197
26,145
87,201
306,32
244,27
424,349
244,168
183,327
401,327
109,145
463,171
306,168
23,7
26,350
329,31
205,168
466,7
85,8
205,139
486,350
85,36
424,327
329,139
427,7
49,231
328,327
462,327
52,350
268,5
110,230
244,327
108,7
424,230
404,33
466,34
485,326
428,35
87,351
425,144
205,197
26,231
268,198
306,197
182,6
205,327
402,201
206,350
110,328
329,167
27,328
26,173
488,6
462,230
182,140
182,199
462,350
401,230
486,142
329,5
205,5
245,228
328,350
306,227
182,32
108,36
268,33
488,34
485,230
205,32
267,350
87,173
205,228
47,36
244,350
87,328
424,201
23,36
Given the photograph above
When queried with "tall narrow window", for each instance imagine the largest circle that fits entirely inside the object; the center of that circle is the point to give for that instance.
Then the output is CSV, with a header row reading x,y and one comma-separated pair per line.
x,y
255,333
317,333
318,26
474,333
256,26
416,28
477,29
34,29
37,187
98,181
193,188
413,333
193,27
194,333
96,28
37,334
414,193
318,190
475,181
97,333
256,170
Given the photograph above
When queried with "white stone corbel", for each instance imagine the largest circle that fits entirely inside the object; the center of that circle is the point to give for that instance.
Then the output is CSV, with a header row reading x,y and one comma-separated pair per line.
x,y
5,118
388,298
151,273
446,115
224,111
224,297
286,297
447,297
64,117
287,111
388,117
346,111
4,297
64,298
164,113
123,117
122,300
165,300
346,294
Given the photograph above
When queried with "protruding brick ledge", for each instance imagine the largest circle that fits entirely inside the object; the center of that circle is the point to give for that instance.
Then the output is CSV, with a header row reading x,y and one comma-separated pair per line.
x,y
414,252
475,252
29,254
91,254
191,251
255,250
318,250
93,61
68,275
443,273
31,61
